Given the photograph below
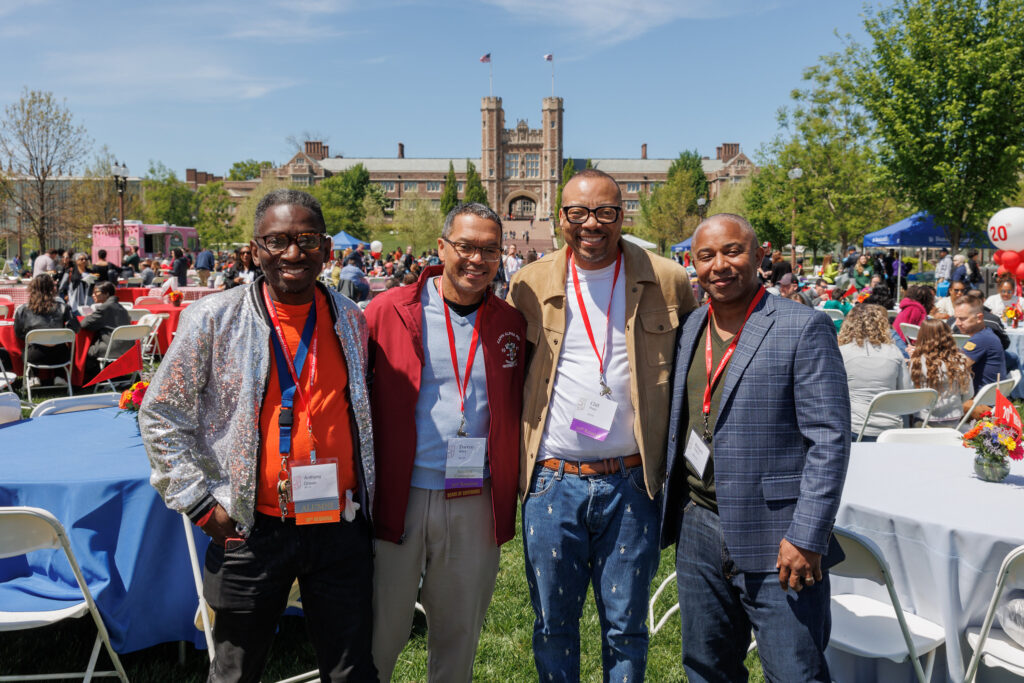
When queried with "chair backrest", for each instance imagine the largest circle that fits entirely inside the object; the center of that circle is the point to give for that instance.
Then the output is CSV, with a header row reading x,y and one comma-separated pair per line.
x,y
134,282
151,319
961,339
834,313
10,407
125,333
158,280
909,331
24,529
864,559
137,314
145,300
4,299
936,436
986,396
127,305
73,404
1015,375
1011,571
50,337
901,402
3,310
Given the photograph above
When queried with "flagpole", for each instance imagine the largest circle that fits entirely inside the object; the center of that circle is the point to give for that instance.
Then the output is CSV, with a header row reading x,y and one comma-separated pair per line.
x,y
490,77
552,78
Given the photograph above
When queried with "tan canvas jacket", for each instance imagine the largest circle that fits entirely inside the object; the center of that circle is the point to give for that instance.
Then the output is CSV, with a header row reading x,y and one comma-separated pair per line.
x,y
658,295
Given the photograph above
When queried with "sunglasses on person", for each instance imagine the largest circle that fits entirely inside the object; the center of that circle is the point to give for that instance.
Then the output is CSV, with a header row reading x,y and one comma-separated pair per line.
x,y
275,244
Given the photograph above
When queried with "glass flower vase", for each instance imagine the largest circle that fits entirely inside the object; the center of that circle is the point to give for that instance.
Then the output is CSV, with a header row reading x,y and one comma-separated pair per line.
x,y
991,470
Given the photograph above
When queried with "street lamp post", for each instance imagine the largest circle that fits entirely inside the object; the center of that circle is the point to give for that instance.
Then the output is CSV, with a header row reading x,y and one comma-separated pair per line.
x,y
794,174
702,206
120,173
17,210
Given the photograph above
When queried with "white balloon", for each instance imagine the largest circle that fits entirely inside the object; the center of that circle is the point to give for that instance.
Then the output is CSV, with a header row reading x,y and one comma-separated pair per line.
x,y
1006,229
376,246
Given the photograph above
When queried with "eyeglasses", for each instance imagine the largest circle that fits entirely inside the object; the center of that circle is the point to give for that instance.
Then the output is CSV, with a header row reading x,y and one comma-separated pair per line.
x,y
578,215
275,244
466,250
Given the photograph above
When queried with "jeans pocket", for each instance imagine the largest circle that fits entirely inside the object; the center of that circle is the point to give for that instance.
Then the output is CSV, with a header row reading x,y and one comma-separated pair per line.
x,y
636,478
543,479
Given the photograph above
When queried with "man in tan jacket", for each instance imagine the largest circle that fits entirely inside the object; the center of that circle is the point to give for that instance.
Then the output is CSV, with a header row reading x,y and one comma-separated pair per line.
x,y
602,316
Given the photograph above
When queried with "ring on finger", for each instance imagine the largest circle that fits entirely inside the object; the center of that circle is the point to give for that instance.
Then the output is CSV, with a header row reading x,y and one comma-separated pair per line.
x,y
808,580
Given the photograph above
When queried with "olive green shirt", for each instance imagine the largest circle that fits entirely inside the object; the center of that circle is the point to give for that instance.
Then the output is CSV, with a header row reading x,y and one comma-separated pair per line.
x,y
702,489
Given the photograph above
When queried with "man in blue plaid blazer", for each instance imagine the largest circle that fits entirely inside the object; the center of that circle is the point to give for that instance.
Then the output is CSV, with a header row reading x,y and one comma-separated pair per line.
x,y
757,455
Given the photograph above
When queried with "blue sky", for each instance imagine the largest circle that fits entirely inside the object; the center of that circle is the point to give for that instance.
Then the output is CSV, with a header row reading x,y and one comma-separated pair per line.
x,y
203,84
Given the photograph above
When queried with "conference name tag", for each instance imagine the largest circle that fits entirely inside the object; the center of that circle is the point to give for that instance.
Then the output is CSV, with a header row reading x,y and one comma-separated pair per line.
x,y
464,468
593,416
315,492
697,452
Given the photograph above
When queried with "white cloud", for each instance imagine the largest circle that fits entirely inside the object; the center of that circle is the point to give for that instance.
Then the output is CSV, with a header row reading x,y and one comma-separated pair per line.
x,y
288,21
160,75
615,21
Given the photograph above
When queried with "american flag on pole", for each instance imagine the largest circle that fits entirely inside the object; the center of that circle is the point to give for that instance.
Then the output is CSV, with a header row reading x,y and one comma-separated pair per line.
x,y
486,59
549,57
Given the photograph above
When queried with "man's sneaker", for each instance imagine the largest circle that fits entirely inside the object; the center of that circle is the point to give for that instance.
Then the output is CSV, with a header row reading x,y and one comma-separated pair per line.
x,y
33,382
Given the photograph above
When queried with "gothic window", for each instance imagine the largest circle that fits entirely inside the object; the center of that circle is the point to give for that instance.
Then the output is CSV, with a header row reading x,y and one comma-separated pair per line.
x,y
511,165
532,165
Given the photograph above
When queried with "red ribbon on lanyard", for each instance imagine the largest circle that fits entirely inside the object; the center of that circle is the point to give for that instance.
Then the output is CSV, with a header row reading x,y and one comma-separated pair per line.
x,y
586,318
462,383
288,352
713,380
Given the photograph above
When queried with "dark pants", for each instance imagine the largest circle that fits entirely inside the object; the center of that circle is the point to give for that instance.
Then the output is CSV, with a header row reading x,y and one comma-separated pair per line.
x,y
248,589
720,605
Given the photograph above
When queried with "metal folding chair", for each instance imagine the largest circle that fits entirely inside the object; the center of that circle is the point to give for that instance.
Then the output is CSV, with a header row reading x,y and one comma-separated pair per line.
x,y
53,337
991,645
73,404
901,402
986,396
124,333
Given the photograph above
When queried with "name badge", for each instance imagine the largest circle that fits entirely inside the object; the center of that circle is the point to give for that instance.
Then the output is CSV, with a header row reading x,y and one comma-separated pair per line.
x,y
315,492
593,416
697,452
464,468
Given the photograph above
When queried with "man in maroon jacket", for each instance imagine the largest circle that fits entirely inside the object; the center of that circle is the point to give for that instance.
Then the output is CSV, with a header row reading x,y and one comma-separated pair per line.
x,y
446,362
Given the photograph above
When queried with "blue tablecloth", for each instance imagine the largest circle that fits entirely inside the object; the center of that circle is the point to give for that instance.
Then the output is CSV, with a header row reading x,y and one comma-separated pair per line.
x,y
90,470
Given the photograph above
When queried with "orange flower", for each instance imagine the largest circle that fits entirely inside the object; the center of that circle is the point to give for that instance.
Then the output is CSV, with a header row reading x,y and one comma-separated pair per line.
x,y
126,399
974,431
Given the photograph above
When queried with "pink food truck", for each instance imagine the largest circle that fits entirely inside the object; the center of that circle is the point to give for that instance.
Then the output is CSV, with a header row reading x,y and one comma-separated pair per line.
x,y
153,241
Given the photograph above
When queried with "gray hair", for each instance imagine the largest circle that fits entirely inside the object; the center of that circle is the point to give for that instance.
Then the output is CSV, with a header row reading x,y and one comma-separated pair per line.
x,y
475,208
79,254
292,198
958,259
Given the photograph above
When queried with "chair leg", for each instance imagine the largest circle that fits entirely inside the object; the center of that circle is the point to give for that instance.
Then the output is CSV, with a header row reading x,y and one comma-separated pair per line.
x,y
92,659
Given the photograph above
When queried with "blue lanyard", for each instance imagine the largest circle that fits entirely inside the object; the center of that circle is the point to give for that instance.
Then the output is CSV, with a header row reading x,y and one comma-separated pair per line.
x,y
284,377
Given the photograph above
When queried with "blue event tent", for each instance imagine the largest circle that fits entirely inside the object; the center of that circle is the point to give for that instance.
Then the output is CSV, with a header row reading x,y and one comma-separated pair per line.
x,y
343,240
682,246
918,230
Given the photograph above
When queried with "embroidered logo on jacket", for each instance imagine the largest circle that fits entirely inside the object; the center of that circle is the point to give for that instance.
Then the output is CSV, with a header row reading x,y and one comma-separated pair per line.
x,y
509,343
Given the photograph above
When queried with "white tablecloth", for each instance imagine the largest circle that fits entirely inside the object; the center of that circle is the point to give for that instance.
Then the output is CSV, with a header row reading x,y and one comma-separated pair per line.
x,y
1017,346
944,533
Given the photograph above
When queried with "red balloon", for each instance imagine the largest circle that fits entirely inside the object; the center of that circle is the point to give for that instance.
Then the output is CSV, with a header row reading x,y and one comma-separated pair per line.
x,y
1019,272
1011,260
997,257
1001,271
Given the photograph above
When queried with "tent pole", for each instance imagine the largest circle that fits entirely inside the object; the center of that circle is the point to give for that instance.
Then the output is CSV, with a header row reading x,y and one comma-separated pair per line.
x,y
899,279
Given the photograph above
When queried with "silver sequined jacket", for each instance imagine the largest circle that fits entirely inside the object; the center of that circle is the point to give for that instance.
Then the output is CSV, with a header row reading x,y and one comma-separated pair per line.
x,y
200,417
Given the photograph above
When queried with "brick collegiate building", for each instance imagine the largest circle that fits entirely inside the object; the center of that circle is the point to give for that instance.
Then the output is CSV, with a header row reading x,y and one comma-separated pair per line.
x,y
519,167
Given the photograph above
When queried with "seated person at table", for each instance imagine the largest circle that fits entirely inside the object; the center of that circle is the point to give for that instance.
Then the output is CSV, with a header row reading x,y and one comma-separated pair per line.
x,y
983,348
937,363
76,285
873,365
147,273
991,321
914,307
352,281
44,311
1007,296
943,308
107,314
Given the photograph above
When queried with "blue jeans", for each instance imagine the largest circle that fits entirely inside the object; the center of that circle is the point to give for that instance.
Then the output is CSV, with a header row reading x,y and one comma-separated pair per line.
x,y
720,604
590,529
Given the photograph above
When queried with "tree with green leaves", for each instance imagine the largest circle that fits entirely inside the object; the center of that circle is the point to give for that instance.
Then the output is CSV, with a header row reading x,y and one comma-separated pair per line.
x,y
39,142
669,214
165,198
213,215
341,198
690,160
942,83
475,191
731,199
417,222
247,209
589,164
568,171
248,169
450,194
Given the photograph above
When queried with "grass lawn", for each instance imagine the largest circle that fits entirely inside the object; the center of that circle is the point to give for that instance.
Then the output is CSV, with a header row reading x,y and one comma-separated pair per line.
x,y
504,654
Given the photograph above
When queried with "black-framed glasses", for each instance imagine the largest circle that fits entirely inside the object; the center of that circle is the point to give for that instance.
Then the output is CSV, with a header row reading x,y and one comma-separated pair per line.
x,y
466,250
579,214
275,244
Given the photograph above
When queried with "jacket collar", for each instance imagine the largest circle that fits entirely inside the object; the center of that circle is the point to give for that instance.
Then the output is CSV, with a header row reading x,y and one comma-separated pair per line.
x,y
256,297
638,269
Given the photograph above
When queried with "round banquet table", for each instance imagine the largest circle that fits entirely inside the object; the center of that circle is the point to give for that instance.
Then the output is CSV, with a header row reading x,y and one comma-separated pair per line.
x,y
90,470
944,533
130,294
16,350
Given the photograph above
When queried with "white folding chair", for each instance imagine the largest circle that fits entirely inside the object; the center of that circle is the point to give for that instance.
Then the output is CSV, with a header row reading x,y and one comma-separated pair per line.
x,y
4,309
23,530
53,337
901,402
136,314
1015,375
870,628
961,339
944,436
6,378
144,301
158,280
891,314
134,282
909,331
150,345
656,626
73,404
10,407
127,305
834,313
990,643
986,396
124,333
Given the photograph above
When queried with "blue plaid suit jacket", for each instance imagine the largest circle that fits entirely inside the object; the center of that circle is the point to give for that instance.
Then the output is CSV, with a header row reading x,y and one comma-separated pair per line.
x,y
782,439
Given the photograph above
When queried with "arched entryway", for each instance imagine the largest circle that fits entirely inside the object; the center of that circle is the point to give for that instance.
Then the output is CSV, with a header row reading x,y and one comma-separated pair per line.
x,y
522,206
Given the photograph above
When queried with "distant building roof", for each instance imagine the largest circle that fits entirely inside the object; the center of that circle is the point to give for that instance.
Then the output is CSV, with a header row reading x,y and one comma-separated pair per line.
x,y
395,165
642,165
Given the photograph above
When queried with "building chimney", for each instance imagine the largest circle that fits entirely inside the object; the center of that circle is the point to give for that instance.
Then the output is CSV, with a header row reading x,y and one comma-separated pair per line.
x,y
315,149
730,150
401,150
643,151
190,175
718,152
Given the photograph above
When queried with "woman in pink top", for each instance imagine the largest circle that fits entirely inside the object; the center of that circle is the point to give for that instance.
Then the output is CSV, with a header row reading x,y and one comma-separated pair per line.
x,y
914,307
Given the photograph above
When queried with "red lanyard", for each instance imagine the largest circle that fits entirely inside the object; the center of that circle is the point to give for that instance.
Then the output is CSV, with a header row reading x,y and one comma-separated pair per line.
x,y
713,380
288,353
586,318
462,383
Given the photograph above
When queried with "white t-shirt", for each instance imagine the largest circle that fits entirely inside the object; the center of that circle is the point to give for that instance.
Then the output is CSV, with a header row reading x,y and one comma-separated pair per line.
x,y
578,372
512,265
996,304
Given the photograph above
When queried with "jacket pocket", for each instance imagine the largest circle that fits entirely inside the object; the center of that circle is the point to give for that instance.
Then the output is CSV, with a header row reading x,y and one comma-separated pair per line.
x,y
659,338
781,488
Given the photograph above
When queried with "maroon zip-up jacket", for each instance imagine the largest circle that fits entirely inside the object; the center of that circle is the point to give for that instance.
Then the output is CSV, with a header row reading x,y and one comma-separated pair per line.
x,y
395,364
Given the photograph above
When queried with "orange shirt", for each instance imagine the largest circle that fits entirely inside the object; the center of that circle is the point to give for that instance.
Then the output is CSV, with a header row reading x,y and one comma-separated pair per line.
x,y
332,432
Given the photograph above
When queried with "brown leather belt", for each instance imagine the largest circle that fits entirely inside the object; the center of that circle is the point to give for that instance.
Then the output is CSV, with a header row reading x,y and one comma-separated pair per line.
x,y
594,467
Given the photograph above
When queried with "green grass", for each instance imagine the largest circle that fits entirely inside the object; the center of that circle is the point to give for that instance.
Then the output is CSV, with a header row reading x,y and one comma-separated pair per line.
x,y
504,654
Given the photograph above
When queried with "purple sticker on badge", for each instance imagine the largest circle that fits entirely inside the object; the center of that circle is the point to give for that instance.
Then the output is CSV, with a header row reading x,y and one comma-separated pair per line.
x,y
587,429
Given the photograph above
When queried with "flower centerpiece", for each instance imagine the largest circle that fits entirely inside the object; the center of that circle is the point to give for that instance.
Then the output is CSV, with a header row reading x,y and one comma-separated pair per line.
x,y
1012,315
995,441
175,297
131,399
